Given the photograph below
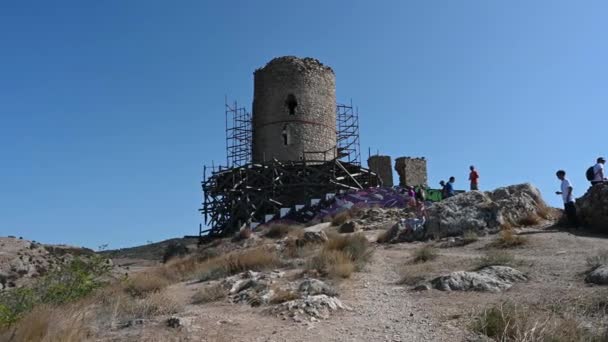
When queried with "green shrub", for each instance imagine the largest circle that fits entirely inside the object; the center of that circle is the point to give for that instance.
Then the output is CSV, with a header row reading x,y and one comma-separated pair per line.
x,y
64,284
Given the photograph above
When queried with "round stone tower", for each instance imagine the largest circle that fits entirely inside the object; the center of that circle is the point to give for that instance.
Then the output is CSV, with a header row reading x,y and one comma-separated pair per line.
x,y
294,110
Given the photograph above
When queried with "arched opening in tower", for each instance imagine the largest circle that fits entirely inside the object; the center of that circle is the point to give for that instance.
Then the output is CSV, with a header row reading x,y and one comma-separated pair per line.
x,y
291,103
285,135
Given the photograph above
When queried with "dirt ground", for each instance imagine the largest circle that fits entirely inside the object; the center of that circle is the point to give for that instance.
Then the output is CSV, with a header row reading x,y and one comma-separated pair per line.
x,y
383,310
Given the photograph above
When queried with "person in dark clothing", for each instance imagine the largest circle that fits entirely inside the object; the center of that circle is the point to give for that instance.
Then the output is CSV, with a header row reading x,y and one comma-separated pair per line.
x,y
567,195
449,188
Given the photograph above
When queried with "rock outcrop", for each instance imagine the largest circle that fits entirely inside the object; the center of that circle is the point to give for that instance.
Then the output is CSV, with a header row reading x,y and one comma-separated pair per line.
x,y
592,208
598,276
488,279
484,211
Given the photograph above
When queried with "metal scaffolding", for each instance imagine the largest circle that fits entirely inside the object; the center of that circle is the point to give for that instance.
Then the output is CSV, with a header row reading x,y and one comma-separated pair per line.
x,y
255,193
349,149
238,135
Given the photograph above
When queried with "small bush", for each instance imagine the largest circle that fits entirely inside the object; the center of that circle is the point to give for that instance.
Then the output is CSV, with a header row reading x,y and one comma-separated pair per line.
x,y
508,239
424,254
530,220
278,230
174,249
340,218
597,260
282,296
355,246
155,304
209,294
332,263
469,236
496,258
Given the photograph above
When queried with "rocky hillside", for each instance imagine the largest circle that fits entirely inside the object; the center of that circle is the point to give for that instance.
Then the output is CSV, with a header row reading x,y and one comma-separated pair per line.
x,y
22,261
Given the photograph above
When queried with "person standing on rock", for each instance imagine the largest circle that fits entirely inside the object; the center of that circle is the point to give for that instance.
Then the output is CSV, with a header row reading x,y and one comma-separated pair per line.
x,y
598,171
449,188
474,178
568,197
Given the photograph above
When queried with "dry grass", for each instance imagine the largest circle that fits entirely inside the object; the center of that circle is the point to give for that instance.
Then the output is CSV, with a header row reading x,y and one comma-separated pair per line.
x,y
508,239
414,274
511,322
355,246
144,283
45,323
595,261
469,236
209,294
425,253
496,258
243,234
255,259
293,250
340,218
282,296
279,230
332,263
530,220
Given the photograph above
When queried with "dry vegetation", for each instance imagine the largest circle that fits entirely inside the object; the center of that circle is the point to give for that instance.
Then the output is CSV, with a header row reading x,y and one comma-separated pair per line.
x,y
209,294
281,296
425,253
341,255
508,239
597,260
469,236
340,218
496,258
530,220
414,274
513,322
279,230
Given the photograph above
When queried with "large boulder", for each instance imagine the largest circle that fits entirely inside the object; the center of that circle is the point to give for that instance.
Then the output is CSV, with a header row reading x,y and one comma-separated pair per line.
x,y
592,208
484,211
488,279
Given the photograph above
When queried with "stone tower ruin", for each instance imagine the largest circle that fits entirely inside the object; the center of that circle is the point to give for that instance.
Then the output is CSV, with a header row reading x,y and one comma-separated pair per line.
x,y
294,111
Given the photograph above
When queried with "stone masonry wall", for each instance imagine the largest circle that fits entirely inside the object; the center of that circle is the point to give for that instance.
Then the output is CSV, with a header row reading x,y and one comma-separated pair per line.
x,y
412,171
383,167
294,110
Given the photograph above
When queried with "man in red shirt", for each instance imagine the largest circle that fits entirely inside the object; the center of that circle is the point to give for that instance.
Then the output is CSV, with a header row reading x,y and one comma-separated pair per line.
x,y
474,178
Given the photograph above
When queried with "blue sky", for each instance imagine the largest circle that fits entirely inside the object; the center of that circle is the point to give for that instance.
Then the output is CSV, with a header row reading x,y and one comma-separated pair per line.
x,y
109,109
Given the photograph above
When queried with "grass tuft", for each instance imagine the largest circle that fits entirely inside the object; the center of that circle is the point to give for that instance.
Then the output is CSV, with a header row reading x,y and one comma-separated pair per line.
x,y
279,230
508,239
496,258
597,260
425,253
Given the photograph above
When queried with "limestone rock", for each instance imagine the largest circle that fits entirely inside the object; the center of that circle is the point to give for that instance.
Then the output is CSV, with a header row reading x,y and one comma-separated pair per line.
x,y
406,230
316,287
319,306
598,276
488,279
592,208
349,227
483,211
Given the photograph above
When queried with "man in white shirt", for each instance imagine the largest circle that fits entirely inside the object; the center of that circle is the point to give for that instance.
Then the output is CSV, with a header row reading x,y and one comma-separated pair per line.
x,y
567,195
598,171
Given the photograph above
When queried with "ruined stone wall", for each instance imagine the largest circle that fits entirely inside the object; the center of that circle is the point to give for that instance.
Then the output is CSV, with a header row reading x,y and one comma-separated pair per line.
x,y
383,167
294,110
412,171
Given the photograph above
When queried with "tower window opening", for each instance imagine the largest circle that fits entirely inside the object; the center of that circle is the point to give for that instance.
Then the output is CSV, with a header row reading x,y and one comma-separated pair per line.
x,y
291,103
285,136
